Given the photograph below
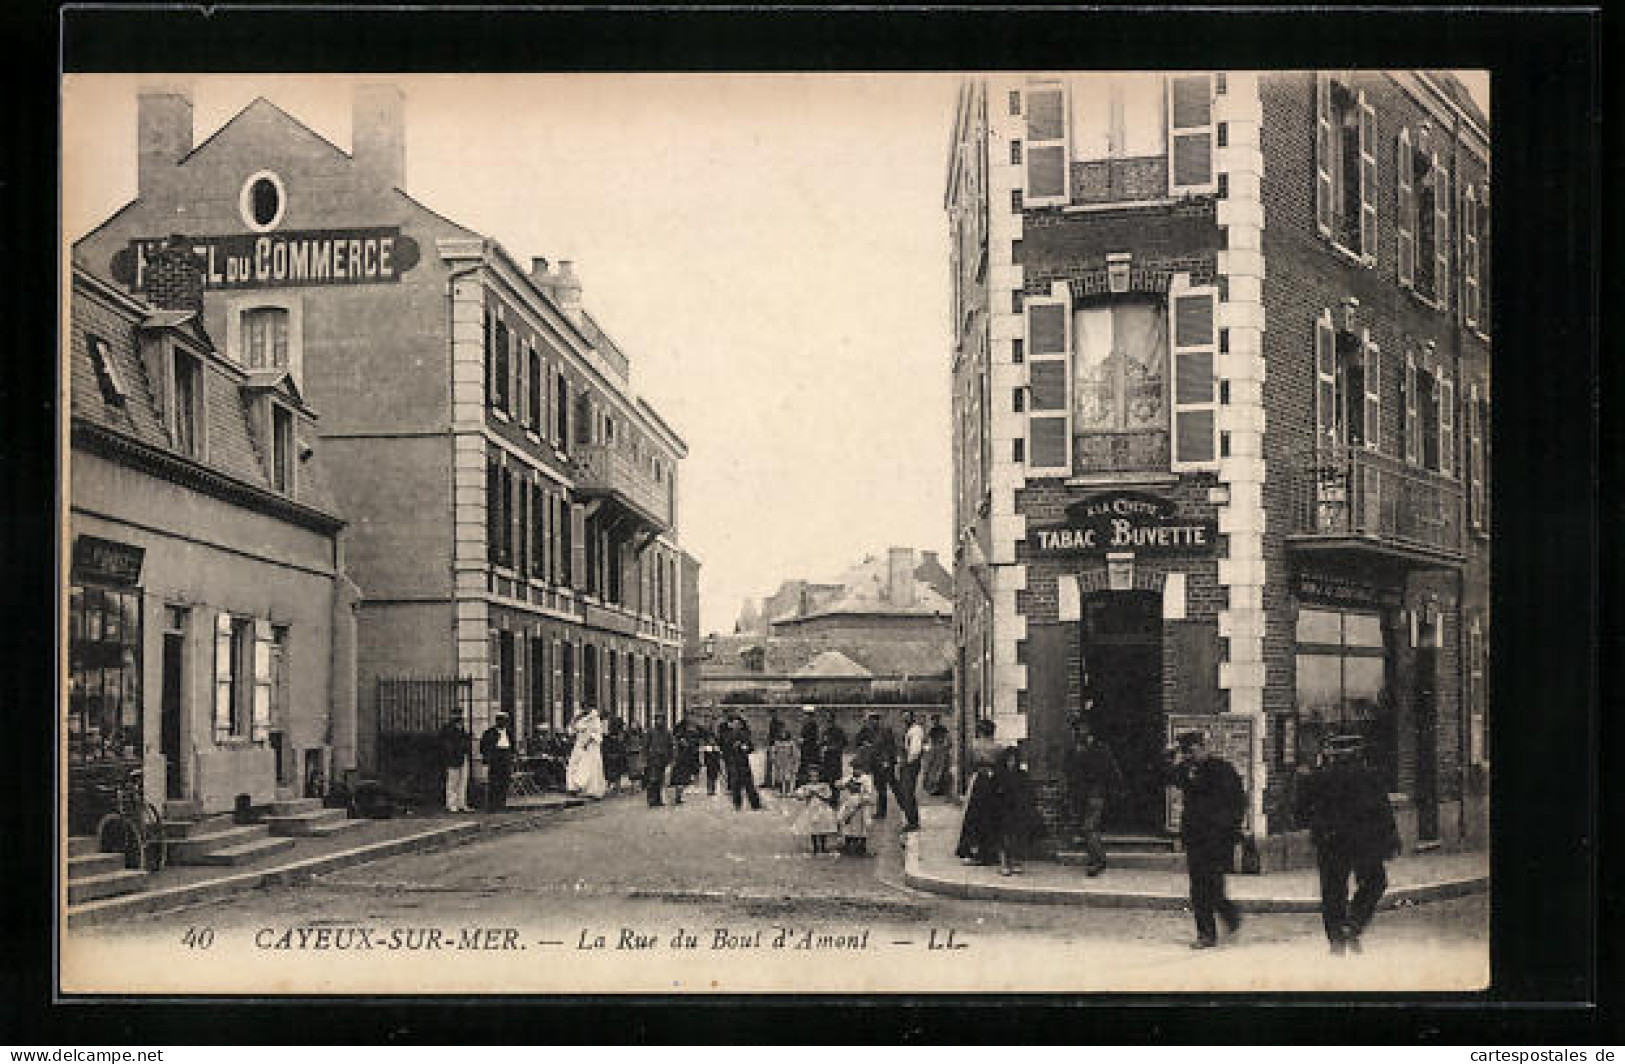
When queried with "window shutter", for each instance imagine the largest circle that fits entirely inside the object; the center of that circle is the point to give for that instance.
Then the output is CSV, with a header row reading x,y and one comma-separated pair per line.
x,y
1049,371
522,525
1486,267
222,677
1048,178
1441,230
578,546
521,369
1325,156
1195,393
1475,470
1373,390
1368,181
490,355
1447,424
262,680
1469,257
1325,382
1405,214
1190,134
1413,424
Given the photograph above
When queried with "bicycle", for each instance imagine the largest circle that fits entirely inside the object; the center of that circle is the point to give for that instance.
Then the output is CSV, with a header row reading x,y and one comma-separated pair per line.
x,y
135,827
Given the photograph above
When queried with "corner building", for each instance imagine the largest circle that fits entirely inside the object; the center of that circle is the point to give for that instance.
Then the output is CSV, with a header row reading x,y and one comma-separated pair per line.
x,y
511,501
1221,362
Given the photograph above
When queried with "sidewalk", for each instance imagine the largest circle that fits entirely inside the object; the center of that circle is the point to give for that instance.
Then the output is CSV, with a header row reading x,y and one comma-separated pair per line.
x,y
929,864
366,840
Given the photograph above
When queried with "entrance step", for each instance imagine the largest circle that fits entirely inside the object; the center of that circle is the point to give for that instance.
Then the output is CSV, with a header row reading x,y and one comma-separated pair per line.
x,y
294,806
306,822
83,845
1151,861
88,865
203,825
182,809
105,885
198,848
242,853
1140,843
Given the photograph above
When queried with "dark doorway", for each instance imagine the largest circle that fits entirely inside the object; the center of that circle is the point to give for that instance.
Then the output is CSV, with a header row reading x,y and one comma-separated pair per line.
x,y
1424,707
1122,672
169,727
505,675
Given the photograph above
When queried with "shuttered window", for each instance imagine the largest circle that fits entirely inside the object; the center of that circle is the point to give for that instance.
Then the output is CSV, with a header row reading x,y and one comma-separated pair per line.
x,y
1405,211
1325,156
1326,434
1469,257
1368,181
261,730
501,371
1190,134
1441,233
1195,391
224,675
1412,428
1475,471
1049,420
577,546
1447,424
522,527
1048,181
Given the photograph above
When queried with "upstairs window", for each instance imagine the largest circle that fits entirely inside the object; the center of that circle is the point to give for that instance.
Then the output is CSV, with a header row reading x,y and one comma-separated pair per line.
x,y
1345,168
186,419
1121,351
1472,283
1424,217
500,368
1348,390
282,448
584,420
536,406
265,338
1047,181
562,432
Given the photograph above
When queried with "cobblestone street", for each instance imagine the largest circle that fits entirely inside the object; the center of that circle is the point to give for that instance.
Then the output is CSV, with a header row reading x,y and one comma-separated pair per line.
x,y
602,898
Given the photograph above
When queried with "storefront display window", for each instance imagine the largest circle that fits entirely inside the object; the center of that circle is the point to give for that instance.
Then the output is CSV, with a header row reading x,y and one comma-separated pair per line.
x,y
1342,678
104,678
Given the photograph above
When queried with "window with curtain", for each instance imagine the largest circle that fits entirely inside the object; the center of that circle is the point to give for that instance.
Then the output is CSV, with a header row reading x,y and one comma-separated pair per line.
x,y
1120,359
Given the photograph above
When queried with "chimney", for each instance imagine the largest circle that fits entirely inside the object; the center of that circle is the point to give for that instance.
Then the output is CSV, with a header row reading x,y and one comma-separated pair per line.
x,y
163,135
567,290
538,270
900,576
378,134
174,280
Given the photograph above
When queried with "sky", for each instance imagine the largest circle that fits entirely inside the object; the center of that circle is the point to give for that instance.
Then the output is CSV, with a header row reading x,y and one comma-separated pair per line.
x,y
770,250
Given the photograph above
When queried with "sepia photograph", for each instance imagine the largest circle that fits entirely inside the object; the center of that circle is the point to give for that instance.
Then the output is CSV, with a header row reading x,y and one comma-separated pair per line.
x,y
974,532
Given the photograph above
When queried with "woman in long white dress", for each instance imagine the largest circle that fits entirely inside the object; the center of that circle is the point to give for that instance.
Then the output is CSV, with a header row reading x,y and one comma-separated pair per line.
x,y
584,775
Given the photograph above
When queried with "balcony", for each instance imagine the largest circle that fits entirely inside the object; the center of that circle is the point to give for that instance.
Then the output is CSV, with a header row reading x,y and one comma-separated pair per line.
x,y
1353,501
607,475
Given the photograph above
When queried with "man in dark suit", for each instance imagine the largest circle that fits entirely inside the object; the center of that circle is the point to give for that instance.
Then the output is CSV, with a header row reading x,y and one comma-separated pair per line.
x,y
1214,804
497,751
833,740
1092,778
1352,825
657,753
736,751
811,746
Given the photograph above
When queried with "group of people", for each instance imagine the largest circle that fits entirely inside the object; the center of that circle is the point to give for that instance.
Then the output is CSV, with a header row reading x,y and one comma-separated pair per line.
x,y
1342,801
674,757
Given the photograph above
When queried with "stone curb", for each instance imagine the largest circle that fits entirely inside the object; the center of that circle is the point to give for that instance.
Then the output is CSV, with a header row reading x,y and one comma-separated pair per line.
x,y
106,910
1416,894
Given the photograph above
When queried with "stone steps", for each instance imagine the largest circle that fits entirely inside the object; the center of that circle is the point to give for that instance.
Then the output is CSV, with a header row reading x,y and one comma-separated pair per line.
x,y
243,852
82,845
84,866
295,806
317,822
196,848
176,830
105,884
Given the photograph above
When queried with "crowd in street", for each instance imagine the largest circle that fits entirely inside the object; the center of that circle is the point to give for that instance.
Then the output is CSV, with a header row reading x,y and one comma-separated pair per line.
x,y
842,786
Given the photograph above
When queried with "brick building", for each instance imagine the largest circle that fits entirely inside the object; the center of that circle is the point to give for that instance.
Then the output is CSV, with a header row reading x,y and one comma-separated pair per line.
x,y
211,629
1221,386
512,500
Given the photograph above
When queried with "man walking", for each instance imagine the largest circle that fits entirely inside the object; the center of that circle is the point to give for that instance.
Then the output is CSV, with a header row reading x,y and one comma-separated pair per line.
x,y
497,751
657,753
907,781
1352,825
1214,802
736,751
1092,776
454,746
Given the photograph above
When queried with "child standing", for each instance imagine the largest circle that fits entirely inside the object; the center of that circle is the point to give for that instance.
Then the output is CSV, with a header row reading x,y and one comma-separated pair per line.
x,y
817,818
857,798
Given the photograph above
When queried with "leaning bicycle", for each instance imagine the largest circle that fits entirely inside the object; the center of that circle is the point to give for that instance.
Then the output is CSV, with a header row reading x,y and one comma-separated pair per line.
x,y
133,826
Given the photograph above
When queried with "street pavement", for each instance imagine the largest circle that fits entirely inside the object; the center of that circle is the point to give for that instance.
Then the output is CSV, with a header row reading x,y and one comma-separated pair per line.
x,y
619,897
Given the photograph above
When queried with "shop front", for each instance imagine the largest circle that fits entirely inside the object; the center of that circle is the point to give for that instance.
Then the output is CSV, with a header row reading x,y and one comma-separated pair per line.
x,y
105,722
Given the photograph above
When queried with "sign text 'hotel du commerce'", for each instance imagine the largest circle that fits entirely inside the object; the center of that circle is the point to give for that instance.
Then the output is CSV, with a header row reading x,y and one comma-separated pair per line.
x,y
1125,521
377,255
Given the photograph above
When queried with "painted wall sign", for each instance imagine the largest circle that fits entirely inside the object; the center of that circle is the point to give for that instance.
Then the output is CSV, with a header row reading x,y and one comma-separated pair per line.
x,y
1125,521
105,562
1229,736
1345,591
282,260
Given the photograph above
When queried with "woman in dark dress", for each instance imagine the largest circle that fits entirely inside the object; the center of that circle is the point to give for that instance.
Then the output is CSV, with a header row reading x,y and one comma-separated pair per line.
x,y
979,829
685,765
1016,816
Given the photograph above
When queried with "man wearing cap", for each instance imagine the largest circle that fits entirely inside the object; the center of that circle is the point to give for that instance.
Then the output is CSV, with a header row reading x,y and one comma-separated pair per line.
x,y
1352,825
496,749
454,743
1214,802
1092,778
658,748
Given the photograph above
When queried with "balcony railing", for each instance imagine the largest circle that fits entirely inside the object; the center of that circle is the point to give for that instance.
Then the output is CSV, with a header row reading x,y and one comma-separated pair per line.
x,y
606,472
1348,493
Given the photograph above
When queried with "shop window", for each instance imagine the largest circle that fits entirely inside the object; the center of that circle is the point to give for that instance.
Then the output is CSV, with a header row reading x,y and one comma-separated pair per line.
x,y
1345,168
282,448
1342,685
186,419
104,675
108,378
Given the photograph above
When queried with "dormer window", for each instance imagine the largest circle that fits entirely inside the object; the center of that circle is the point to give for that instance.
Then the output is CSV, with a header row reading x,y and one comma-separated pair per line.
x,y
107,375
282,448
186,417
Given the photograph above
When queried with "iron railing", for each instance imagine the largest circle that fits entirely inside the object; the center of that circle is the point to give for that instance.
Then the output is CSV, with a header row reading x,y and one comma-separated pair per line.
x,y
604,470
1353,492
